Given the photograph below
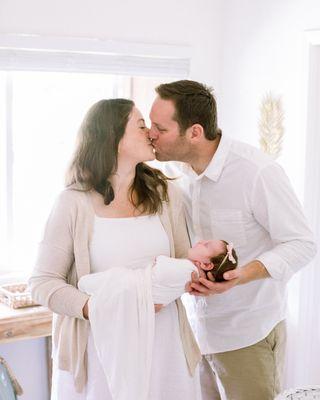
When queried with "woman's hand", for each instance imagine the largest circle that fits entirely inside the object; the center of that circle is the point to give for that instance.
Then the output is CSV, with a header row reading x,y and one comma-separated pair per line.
x,y
158,307
85,310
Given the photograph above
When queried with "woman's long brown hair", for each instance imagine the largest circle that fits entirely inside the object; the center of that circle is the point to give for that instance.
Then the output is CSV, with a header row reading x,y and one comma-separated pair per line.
x,y
95,158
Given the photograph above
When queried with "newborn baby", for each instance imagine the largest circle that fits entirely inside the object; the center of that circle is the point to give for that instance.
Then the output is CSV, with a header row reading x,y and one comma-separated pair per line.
x,y
122,299
215,257
170,275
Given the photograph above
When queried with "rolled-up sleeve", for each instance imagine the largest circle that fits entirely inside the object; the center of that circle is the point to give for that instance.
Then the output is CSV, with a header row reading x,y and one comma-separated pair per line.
x,y
276,207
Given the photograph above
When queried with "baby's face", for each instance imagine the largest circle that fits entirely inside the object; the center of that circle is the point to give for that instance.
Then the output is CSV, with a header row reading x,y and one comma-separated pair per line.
x,y
204,250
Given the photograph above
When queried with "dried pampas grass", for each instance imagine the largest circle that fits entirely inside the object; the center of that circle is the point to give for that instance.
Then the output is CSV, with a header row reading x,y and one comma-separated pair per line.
x,y
271,125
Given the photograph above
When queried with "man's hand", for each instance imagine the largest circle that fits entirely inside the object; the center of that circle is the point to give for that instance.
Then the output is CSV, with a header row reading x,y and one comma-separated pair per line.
x,y
205,287
194,278
250,272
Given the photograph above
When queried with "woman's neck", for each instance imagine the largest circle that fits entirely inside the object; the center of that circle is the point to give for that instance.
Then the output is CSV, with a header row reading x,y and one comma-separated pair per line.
x,y
122,179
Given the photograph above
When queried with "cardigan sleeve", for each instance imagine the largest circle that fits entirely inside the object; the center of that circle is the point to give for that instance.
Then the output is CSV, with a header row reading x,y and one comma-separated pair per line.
x,y
49,281
179,226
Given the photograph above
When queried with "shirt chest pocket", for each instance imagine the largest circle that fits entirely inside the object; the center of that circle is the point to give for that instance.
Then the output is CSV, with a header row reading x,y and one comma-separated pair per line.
x,y
228,225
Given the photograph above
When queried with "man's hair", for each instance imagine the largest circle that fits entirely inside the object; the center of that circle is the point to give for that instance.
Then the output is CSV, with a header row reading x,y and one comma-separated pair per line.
x,y
194,104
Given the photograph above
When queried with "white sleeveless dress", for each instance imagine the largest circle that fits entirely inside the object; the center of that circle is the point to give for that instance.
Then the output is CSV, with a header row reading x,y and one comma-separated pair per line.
x,y
118,242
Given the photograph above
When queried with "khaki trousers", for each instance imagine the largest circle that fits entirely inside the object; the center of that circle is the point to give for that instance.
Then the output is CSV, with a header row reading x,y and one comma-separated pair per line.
x,y
251,373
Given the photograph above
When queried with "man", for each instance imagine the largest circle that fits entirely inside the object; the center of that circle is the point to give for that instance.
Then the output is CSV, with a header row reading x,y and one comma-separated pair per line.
x,y
236,193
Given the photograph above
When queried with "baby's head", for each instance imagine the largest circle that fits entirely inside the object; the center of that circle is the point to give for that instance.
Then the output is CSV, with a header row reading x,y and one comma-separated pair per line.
x,y
217,254
205,250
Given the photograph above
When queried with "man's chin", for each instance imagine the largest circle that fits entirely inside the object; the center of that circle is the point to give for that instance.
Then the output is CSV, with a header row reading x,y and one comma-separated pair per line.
x,y
162,157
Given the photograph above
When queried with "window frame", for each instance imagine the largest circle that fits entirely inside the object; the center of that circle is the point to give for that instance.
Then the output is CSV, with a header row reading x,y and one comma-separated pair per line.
x,y
66,54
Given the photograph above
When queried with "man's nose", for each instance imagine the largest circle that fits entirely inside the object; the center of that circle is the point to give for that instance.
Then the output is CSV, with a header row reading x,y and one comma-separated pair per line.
x,y
152,134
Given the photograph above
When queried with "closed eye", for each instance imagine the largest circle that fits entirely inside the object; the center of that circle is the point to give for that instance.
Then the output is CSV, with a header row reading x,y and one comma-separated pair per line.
x,y
159,128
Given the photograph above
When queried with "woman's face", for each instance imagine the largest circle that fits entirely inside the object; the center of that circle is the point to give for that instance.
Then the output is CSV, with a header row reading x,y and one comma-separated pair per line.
x,y
135,145
204,250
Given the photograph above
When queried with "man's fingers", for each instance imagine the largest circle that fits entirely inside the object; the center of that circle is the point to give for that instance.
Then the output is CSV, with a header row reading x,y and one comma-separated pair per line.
x,y
200,288
202,274
229,275
216,287
210,276
188,287
207,283
194,277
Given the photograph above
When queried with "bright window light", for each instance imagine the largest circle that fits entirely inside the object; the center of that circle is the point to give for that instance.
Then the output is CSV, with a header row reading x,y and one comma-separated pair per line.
x,y
40,113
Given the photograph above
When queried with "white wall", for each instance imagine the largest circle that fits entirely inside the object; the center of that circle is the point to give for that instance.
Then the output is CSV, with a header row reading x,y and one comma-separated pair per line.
x,y
27,359
263,50
188,22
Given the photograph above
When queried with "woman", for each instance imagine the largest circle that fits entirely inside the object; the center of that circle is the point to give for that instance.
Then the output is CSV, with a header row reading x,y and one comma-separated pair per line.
x,y
111,198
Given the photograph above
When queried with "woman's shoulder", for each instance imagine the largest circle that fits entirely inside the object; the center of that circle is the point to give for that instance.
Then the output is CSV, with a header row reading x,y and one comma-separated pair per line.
x,y
70,198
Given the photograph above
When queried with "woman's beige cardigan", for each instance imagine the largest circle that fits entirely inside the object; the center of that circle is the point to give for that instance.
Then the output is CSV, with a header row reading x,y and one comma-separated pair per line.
x,y
63,258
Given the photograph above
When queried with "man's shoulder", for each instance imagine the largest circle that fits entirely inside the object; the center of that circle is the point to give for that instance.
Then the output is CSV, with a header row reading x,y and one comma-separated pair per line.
x,y
249,155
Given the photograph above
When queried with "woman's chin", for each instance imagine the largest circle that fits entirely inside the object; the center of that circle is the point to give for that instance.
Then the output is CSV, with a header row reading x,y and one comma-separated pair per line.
x,y
151,156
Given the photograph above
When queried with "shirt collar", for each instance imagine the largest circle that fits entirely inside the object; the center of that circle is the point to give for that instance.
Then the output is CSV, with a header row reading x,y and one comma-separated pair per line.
x,y
215,166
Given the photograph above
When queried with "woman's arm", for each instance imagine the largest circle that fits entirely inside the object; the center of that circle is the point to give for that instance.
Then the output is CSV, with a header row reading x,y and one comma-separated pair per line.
x,y
55,258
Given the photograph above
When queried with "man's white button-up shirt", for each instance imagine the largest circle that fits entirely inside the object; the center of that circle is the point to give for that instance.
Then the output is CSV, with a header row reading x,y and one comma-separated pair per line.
x,y
244,197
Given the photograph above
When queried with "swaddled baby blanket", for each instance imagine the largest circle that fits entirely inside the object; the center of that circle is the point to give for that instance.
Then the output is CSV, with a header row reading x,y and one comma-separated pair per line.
x,y
121,313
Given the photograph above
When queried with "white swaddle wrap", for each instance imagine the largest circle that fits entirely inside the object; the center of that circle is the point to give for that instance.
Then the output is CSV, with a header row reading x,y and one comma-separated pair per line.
x,y
169,277
121,313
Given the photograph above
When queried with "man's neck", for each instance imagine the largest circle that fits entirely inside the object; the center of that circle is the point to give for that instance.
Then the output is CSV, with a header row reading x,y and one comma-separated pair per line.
x,y
204,155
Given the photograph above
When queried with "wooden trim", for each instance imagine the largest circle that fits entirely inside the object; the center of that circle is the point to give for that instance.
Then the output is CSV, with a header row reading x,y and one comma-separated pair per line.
x,y
24,323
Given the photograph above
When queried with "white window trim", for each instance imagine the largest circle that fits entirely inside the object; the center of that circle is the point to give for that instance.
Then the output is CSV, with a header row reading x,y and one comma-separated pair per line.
x,y
42,53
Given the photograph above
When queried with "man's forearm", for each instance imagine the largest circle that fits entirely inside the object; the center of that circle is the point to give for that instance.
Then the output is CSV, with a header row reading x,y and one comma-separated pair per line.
x,y
252,271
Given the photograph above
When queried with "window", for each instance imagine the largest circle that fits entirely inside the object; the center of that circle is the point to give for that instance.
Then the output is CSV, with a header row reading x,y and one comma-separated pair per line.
x,y
41,113
44,97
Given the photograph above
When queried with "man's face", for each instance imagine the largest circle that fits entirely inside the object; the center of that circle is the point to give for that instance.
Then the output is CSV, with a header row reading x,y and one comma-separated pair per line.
x,y
165,133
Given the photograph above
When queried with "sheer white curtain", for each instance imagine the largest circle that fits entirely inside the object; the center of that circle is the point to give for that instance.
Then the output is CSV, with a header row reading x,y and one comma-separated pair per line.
x,y
303,366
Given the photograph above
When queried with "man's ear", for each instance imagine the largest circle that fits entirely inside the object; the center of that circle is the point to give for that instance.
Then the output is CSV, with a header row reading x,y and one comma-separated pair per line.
x,y
195,132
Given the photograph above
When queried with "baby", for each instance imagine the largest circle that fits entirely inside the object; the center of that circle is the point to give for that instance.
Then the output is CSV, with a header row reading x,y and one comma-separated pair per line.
x,y
170,275
215,257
